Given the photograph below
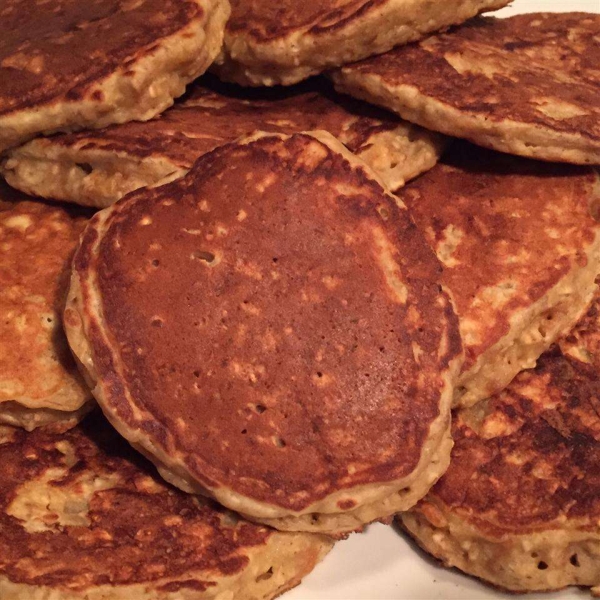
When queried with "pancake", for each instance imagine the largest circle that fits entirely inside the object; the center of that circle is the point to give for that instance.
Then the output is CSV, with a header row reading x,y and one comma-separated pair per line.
x,y
84,518
271,332
39,381
525,85
520,250
66,64
269,43
519,506
98,167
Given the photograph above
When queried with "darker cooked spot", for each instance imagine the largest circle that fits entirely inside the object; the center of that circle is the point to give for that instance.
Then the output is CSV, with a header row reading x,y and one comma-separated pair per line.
x,y
542,566
155,262
346,504
74,94
595,209
260,409
85,167
191,584
517,45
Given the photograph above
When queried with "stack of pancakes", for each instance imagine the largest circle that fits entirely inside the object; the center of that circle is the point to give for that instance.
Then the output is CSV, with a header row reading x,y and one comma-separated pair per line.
x,y
366,292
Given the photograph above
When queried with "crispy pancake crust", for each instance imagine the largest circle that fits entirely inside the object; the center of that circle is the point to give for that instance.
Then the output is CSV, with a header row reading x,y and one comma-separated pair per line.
x,y
84,517
583,342
268,43
39,381
526,85
520,504
287,399
97,168
65,65
520,250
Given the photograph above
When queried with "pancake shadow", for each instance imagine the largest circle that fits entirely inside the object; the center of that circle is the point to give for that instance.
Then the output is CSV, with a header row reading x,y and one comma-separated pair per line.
x,y
478,160
316,85
96,427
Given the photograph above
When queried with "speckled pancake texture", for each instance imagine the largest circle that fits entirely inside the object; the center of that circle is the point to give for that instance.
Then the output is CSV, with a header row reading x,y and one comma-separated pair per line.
x,y
583,341
39,381
83,517
520,504
268,43
520,250
270,330
525,85
97,168
66,64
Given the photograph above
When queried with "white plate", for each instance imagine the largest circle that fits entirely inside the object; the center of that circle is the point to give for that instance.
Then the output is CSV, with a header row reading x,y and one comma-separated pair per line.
x,y
381,564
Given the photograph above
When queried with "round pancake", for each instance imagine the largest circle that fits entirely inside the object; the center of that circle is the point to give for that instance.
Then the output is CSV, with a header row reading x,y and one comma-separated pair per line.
x,y
66,64
525,85
270,330
39,381
519,506
269,43
97,168
83,517
520,250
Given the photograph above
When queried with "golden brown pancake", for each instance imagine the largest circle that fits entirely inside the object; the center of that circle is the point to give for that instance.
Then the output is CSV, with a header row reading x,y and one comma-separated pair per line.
x,y
270,331
39,381
83,517
520,250
98,167
526,85
519,506
66,64
268,43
